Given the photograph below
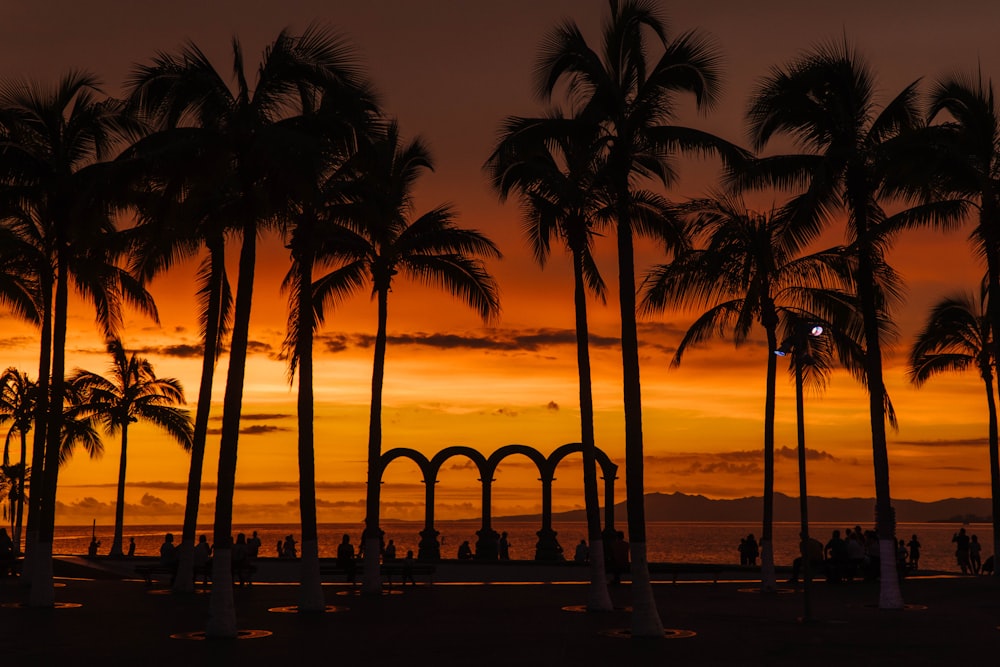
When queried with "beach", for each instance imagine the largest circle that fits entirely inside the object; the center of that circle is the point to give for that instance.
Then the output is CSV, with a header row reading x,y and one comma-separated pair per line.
x,y
533,619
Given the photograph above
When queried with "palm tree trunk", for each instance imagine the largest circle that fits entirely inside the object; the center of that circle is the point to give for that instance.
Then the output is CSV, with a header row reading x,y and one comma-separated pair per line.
x,y
222,611
311,586
992,247
18,522
372,581
598,598
41,424
116,542
184,581
890,595
994,468
42,590
645,618
768,582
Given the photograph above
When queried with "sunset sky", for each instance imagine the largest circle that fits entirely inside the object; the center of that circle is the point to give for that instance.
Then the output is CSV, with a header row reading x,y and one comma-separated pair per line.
x,y
450,71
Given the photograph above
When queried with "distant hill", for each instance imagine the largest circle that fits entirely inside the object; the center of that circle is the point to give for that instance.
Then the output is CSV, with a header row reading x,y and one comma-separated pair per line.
x,y
682,507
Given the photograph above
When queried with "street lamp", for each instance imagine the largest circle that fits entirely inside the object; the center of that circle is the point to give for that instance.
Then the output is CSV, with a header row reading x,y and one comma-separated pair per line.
x,y
798,343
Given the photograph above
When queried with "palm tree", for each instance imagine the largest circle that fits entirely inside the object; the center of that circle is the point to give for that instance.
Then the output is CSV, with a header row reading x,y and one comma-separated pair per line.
x,y
958,336
969,145
749,273
54,162
17,406
131,393
632,102
825,102
258,134
430,248
177,206
550,163
315,242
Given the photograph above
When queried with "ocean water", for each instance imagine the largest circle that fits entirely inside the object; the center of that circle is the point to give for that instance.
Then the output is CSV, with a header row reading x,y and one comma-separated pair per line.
x,y
667,541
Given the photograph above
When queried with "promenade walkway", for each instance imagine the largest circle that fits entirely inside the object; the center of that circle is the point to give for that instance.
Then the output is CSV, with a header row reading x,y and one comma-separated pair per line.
x,y
122,622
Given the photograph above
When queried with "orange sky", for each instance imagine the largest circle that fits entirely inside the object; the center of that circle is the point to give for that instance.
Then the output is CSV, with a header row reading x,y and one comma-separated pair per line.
x,y
450,71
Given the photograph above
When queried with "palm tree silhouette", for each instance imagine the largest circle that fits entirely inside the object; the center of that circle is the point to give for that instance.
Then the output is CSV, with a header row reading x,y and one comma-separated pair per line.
x,y
57,143
749,273
176,203
632,102
131,393
958,336
430,248
968,142
825,102
258,134
17,406
315,241
551,164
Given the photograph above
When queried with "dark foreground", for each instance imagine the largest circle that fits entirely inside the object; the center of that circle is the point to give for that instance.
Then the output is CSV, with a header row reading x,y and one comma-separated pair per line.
x,y
948,620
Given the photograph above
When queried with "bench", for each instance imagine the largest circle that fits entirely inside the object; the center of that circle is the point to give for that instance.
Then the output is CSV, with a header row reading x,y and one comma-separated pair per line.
x,y
387,570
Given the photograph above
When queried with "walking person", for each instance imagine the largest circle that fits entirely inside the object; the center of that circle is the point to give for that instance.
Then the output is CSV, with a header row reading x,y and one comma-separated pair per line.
x,y
961,541
914,546
975,555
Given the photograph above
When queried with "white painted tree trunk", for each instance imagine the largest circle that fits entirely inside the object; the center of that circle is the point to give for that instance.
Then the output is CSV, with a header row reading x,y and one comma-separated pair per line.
x,y
30,554
598,597
311,597
222,607
371,578
890,596
768,579
184,581
43,592
645,617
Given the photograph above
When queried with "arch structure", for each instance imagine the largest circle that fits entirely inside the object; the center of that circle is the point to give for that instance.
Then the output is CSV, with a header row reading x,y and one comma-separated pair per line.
x,y
487,545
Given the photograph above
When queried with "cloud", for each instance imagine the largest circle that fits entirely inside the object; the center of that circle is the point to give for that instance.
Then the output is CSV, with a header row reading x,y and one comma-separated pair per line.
x,y
503,340
505,412
553,406
955,442
181,350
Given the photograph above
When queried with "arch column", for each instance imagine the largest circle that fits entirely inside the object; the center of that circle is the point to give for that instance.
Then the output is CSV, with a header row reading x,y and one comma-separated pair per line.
x,y
610,533
547,547
486,546
429,548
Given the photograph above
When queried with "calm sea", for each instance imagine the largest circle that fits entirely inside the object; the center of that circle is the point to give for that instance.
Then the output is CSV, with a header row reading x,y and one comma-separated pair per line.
x,y
667,541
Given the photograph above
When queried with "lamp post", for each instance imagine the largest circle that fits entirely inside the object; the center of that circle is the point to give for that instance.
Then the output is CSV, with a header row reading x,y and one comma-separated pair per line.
x,y
798,345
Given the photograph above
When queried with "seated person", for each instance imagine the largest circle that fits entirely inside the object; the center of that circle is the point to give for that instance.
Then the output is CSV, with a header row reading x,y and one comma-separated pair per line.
x,y
345,557
465,551
168,555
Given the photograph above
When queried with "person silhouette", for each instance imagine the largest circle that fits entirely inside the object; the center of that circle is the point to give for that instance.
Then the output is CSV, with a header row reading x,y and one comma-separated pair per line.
x,y
408,568
914,545
582,554
390,551
752,550
465,551
288,548
131,547
168,555
961,541
345,557
240,560
975,555
503,547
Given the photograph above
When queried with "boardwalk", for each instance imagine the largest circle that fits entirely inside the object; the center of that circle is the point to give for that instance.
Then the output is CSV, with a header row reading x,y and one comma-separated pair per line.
x,y
120,622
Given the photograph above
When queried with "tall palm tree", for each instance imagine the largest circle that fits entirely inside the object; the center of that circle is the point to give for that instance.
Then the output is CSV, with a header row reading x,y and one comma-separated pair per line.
x,y
176,204
551,164
54,161
258,134
316,242
958,336
825,102
130,394
17,406
968,142
632,101
749,273
430,248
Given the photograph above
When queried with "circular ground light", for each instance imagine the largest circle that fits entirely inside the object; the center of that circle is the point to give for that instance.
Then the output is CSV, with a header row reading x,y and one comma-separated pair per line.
x,y
167,591
393,591
668,633
59,584
240,634
583,608
757,590
56,605
294,609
